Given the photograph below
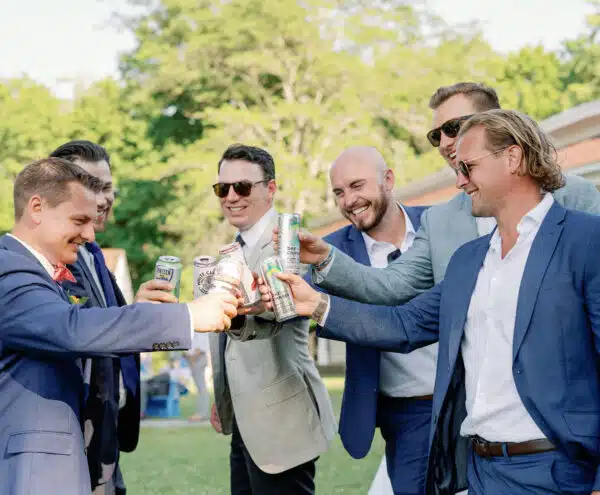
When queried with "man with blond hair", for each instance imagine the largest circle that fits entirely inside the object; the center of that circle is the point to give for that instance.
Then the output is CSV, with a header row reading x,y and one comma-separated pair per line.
x,y
517,395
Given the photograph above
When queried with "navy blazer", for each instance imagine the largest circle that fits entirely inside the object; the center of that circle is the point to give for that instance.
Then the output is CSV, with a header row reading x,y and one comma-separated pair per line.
x,y
359,403
555,346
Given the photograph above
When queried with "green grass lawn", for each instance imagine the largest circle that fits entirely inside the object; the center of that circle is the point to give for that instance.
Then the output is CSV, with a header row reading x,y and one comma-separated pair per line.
x,y
196,460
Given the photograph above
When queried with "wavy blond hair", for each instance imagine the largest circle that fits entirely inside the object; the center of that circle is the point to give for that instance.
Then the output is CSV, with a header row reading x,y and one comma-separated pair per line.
x,y
504,128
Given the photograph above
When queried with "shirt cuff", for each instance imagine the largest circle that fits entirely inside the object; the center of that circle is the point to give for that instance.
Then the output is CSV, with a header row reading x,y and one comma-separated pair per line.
x,y
320,275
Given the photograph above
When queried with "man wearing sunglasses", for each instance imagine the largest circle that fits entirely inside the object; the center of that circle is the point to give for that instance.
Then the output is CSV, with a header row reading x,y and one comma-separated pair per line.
x,y
268,393
516,407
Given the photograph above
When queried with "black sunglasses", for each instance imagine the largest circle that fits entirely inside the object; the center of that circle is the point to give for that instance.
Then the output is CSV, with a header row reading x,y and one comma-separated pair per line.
x,y
242,188
450,128
465,167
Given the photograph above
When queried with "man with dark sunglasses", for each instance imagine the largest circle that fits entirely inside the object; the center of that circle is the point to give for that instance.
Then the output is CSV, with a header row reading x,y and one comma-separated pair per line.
x,y
268,393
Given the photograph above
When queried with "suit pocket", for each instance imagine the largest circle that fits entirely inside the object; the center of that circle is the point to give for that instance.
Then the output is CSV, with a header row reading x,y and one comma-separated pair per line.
x,y
47,442
584,424
283,390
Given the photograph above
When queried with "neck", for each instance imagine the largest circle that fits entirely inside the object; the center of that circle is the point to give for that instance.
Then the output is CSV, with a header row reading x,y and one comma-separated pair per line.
x,y
516,206
391,228
27,235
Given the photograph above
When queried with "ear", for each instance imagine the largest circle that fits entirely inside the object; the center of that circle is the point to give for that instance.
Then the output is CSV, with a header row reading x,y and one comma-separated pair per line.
x,y
35,208
272,188
515,157
389,179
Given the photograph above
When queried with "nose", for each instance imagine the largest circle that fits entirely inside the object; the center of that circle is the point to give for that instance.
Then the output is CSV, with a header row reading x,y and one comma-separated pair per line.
x,y
461,180
446,142
88,234
231,194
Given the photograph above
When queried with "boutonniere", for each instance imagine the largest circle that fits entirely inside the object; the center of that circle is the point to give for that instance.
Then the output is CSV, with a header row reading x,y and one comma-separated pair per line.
x,y
77,300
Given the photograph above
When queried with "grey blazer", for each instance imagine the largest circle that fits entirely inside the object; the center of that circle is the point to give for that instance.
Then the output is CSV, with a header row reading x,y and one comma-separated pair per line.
x,y
281,405
444,228
42,341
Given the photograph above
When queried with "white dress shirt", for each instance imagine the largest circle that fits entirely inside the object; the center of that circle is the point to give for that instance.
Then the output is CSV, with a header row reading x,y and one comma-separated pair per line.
x,y
252,235
402,375
49,267
495,411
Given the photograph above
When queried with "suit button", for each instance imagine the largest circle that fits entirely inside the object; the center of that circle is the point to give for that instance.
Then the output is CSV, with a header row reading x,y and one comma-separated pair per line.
x,y
518,371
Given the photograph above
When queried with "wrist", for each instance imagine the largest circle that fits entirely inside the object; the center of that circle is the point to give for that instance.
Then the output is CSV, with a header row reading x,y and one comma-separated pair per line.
x,y
321,303
325,259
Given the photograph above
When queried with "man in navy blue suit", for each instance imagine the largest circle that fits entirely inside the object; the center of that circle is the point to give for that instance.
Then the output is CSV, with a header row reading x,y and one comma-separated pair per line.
x,y
516,405
111,423
46,337
385,389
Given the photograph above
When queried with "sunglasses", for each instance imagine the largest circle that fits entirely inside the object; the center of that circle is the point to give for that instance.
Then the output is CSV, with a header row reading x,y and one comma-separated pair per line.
x,y
450,128
241,188
465,167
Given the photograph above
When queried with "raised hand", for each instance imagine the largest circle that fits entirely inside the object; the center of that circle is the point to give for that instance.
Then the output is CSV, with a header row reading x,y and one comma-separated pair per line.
x,y
214,419
306,299
155,291
213,312
263,304
313,249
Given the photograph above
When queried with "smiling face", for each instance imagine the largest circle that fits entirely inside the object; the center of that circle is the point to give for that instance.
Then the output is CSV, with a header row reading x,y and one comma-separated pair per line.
x,y
244,211
61,229
454,107
362,188
106,198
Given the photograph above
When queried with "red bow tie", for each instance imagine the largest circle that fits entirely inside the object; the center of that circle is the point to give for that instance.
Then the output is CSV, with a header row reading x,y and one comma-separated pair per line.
x,y
62,273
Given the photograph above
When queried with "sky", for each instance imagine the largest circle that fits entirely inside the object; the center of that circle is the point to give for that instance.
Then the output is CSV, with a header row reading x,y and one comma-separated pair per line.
x,y
59,42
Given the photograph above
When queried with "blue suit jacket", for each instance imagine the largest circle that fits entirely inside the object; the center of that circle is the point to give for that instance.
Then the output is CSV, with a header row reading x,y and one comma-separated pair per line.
x,y
555,348
359,403
42,338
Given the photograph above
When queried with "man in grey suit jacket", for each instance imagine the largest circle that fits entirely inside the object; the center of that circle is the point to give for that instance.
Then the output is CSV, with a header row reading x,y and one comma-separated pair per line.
x,y
268,392
444,227
45,334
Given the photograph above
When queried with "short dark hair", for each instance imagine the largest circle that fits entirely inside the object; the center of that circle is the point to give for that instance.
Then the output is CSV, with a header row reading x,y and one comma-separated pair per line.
x,y
50,178
251,154
82,149
483,97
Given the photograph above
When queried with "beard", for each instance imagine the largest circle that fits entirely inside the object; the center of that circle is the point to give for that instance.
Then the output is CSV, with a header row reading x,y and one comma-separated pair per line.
x,y
378,208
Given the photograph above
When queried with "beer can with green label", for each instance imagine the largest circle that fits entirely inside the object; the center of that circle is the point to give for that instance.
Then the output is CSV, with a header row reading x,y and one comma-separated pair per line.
x,y
283,302
289,243
169,268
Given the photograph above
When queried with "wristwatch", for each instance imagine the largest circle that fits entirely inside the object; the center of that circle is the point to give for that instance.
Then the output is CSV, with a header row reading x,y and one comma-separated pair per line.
x,y
319,311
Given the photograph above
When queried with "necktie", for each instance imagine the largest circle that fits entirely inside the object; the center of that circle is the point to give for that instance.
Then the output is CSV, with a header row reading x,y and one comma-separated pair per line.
x,y
128,365
393,256
62,273
240,239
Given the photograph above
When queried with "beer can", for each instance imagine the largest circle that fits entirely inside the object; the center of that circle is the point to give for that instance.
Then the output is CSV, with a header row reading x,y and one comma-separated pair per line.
x,y
289,243
204,269
227,276
247,286
169,268
283,302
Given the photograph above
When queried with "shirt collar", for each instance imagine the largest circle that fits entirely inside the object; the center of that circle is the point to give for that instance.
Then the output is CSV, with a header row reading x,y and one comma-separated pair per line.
x,y
254,233
372,244
530,221
40,257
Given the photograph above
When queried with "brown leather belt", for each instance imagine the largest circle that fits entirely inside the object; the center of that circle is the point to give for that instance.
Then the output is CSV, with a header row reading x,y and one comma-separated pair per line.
x,y
387,398
483,448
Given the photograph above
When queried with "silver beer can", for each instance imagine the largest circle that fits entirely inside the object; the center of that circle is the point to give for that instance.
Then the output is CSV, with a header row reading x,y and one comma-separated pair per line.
x,y
283,302
204,269
227,276
247,287
289,243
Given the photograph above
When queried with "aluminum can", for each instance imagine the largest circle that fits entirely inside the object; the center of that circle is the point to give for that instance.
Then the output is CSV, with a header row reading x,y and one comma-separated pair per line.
x,y
204,269
247,287
227,276
283,302
169,268
289,243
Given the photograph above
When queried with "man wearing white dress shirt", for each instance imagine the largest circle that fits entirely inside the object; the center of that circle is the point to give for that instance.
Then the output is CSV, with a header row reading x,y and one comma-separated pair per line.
x,y
387,390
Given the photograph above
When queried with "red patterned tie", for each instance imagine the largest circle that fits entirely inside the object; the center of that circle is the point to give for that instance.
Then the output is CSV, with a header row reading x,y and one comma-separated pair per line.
x,y
62,273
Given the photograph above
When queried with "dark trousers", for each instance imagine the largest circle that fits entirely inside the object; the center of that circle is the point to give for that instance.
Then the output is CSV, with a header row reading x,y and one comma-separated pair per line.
x,y
405,425
532,474
248,479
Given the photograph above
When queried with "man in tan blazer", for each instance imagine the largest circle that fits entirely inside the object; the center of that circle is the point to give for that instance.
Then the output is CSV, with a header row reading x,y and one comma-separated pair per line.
x,y
268,392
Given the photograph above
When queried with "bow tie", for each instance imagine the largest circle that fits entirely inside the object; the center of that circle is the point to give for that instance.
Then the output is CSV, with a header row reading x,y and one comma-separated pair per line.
x,y
62,273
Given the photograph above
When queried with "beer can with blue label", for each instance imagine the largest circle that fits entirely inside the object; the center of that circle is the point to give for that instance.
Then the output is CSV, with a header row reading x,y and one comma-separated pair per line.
x,y
169,268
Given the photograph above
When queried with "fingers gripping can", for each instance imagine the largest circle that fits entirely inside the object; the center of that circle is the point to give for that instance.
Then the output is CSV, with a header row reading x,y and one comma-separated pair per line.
x,y
289,243
204,269
169,268
283,302
227,276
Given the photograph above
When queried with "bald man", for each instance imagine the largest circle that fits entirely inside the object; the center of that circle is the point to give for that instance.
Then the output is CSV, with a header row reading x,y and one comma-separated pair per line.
x,y
383,389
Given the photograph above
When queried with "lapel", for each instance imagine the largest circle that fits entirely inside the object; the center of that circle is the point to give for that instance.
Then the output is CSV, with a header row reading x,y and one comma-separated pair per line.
x,y
541,253
87,280
460,290
355,246
265,239
13,245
